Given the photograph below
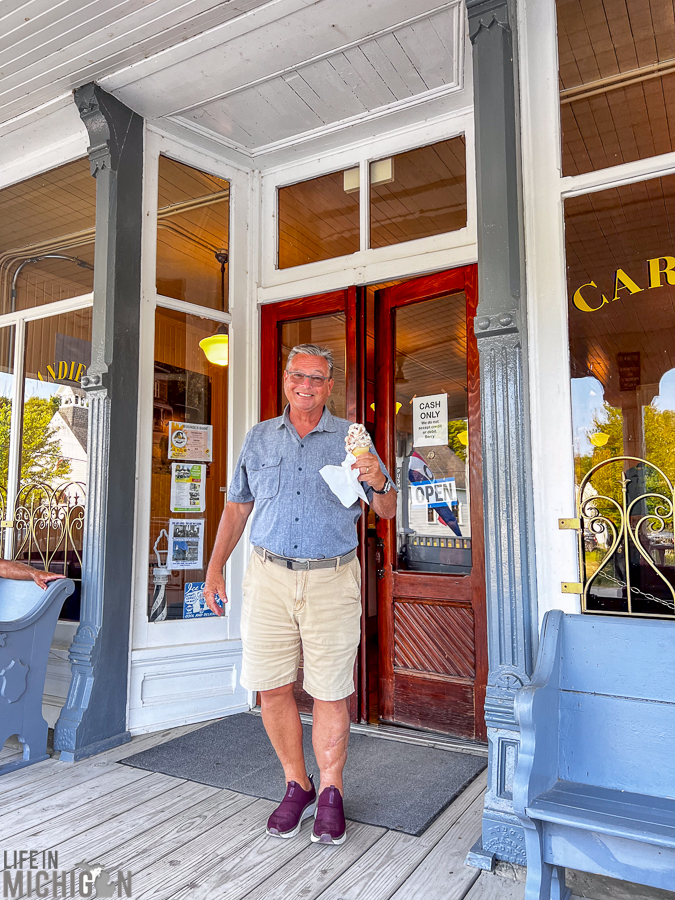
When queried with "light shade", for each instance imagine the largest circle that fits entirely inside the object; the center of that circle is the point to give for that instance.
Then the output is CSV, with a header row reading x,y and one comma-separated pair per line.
x,y
217,347
599,439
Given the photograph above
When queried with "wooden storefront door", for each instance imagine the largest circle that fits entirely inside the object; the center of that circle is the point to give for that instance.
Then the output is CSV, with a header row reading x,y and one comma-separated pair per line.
x,y
431,579
333,320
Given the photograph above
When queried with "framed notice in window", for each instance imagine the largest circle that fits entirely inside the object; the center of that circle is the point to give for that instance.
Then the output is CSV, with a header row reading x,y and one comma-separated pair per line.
x,y
188,441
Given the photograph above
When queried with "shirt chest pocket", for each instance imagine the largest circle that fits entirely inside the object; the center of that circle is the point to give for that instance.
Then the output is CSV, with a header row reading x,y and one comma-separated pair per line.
x,y
263,478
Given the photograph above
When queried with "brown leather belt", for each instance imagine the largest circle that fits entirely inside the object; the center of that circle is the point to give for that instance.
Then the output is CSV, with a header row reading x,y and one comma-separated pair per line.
x,y
288,562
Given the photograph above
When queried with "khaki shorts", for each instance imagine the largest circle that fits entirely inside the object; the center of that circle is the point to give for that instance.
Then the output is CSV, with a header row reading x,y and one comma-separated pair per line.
x,y
318,610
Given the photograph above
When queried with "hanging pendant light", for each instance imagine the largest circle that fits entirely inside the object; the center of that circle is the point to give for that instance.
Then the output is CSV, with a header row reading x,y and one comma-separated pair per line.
x,y
217,347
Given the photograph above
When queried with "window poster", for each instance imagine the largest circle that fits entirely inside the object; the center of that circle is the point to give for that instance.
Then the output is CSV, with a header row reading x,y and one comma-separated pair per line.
x,y
186,543
188,487
194,605
430,420
188,441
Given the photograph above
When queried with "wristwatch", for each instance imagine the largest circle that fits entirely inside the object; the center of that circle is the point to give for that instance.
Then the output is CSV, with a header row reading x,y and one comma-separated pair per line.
x,y
385,489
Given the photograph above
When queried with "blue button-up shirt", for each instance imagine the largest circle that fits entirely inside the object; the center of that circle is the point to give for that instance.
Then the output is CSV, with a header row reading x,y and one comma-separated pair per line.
x,y
296,514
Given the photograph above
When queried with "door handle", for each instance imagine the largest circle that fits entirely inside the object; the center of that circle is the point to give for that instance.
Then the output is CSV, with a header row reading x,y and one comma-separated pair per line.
x,y
379,557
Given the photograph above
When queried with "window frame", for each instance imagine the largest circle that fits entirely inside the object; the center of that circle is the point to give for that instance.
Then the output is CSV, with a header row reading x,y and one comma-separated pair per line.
x,y
544,192
368,265
150,636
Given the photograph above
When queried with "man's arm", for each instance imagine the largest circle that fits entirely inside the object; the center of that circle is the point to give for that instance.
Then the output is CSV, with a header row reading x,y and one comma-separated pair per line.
x,y
231,527
22,572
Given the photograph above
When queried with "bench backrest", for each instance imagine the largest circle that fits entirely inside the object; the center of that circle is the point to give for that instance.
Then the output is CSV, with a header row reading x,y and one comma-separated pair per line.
x,y
617,703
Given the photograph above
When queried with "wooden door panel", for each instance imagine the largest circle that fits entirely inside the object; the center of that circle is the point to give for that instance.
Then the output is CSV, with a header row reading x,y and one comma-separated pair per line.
x,y
433,641
434,638
434,705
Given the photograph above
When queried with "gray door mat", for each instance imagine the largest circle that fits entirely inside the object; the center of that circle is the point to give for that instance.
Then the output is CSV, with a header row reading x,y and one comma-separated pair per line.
x,y
393,784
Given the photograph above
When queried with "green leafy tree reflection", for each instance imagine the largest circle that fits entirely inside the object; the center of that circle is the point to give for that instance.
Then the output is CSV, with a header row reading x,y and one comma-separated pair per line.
x,y
41,458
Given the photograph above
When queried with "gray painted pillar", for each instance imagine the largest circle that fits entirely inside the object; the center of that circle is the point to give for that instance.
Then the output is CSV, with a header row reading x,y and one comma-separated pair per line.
x,y
501,333
94,717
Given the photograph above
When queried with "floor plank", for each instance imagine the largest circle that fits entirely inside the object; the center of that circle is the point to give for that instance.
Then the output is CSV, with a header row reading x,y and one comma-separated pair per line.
x,y
494,887
183,833
105,808
443,875
134,824
63,801
316,867
191,862
382,870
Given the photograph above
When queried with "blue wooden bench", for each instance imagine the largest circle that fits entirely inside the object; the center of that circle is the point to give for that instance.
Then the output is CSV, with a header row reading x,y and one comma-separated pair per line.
x,y
595,780
28,617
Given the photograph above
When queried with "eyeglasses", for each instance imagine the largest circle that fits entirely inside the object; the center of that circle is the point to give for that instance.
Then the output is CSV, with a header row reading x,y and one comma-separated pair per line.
x,y
315,380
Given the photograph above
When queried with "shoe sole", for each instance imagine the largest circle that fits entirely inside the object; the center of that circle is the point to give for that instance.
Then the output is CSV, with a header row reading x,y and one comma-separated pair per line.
x,y
308,812
327,838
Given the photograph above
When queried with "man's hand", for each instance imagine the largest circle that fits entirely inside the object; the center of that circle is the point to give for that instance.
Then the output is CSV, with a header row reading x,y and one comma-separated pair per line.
x,y
42,579
370,471
215,584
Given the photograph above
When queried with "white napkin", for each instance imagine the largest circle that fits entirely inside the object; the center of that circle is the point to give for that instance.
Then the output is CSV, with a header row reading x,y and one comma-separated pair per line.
x,y
344,481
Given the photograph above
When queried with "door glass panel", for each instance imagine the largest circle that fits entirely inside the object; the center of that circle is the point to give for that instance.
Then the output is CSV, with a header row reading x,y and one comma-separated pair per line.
x,y
49,511
189,464
433,521
621,290
325,331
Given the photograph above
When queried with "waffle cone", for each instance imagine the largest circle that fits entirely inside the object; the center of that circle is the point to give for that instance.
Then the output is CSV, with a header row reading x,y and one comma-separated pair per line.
x,y
359,451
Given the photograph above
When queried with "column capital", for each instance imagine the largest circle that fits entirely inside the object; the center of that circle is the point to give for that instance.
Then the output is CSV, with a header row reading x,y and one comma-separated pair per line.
x,y
107,121
484,14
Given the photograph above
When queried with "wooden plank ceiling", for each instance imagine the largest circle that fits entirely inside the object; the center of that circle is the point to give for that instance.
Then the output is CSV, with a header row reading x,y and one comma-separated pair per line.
x,y
253,73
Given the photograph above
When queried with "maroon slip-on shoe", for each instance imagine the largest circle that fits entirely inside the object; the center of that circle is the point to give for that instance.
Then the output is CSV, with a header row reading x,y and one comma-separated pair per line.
x,y
329,819
297,805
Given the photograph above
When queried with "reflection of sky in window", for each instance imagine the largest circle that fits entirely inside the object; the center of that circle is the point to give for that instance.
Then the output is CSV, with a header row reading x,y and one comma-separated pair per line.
x,y
588,397
666,395
33,387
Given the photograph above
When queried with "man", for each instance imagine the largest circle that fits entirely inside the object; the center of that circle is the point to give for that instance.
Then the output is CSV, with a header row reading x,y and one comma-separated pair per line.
x,y
22,572
302,585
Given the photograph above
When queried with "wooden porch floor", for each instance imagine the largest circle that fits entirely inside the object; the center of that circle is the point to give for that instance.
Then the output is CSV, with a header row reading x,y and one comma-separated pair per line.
x,y
184,840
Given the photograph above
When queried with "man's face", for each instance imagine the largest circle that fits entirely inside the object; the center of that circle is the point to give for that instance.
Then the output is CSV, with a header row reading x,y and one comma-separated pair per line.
x,y
306,397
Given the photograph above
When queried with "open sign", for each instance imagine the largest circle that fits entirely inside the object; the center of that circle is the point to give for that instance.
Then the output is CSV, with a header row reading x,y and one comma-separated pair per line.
x,y
433,493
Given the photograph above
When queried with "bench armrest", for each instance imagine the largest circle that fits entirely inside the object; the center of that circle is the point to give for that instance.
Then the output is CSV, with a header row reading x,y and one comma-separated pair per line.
x,y
536,711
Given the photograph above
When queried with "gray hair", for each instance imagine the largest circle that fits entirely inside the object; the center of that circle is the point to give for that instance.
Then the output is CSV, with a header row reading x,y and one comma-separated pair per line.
x,y
311,350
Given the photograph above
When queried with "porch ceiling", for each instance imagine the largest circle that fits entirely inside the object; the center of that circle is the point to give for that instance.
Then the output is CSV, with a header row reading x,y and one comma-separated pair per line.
x,y
254,74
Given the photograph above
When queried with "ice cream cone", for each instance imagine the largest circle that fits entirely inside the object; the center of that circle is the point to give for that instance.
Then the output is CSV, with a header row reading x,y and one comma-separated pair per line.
x,y
359,451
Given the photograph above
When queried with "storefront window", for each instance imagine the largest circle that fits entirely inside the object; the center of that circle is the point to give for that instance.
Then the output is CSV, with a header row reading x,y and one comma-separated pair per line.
x,y
432,438
6,394
319,219
325,331
189,465
621,285
192,235
52,488
47,226
418,194
617,82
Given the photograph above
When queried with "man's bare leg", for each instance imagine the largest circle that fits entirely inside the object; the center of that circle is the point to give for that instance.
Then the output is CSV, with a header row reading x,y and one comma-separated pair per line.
x,y
330,736
284,729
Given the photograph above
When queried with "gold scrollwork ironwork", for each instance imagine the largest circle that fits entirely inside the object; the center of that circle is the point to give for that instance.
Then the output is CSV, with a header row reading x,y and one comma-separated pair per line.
x,y
623,523
48,523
